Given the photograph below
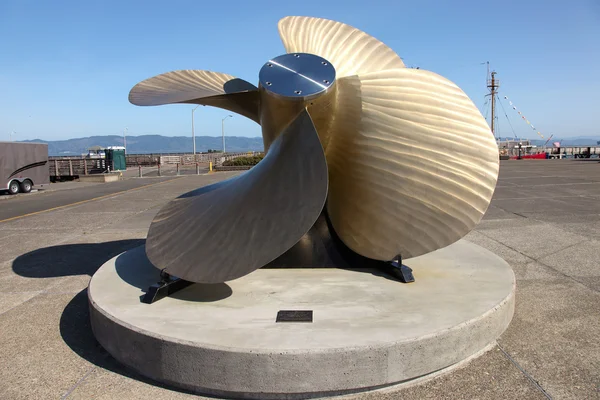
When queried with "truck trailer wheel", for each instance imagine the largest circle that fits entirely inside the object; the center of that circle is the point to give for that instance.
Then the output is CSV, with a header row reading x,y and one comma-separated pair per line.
x,y
13,187
26,186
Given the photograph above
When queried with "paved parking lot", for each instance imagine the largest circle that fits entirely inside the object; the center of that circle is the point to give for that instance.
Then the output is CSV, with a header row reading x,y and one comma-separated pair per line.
x,y
544,220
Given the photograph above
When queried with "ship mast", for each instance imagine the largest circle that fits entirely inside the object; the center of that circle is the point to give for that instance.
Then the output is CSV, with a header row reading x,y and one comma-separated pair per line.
x,y
493,84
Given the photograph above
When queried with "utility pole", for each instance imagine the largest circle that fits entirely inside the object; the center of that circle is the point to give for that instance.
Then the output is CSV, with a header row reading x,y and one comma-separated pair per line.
x,y
193,133
493,84
223,130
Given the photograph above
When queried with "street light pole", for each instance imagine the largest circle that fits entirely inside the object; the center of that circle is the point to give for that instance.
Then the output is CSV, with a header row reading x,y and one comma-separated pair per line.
x,y
125,139
223,131
193,133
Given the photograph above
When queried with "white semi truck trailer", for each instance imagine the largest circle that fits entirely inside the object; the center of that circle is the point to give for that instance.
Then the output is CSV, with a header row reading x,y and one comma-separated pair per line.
x,y
23,166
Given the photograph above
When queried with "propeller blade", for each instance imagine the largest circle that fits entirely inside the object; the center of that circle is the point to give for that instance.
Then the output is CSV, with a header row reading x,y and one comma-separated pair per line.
x,y
350,50
413,164
224,231
198,87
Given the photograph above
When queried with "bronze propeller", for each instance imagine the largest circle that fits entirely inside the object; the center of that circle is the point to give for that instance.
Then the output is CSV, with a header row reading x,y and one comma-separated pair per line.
x,y
403,157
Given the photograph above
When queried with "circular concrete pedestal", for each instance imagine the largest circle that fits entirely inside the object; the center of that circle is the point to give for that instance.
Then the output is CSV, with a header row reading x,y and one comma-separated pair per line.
x,y
369,331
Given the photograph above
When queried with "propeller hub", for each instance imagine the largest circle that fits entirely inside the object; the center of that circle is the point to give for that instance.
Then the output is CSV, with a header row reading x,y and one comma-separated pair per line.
x,y
297,75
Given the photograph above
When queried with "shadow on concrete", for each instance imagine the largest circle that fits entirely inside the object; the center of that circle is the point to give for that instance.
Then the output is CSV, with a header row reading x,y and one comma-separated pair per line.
x,y
75,326
135,268
204,292
76,331
70,259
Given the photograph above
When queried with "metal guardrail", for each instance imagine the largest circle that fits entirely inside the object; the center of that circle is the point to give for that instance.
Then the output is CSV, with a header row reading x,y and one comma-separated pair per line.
x,y
170,160
573,151
221,168
554,152
216,158
147,160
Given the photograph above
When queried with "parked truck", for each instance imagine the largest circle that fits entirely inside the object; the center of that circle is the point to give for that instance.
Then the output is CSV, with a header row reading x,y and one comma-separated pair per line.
x,y
23,166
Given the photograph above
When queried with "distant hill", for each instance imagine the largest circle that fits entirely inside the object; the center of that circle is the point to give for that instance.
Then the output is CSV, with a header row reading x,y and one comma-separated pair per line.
x,y
146,144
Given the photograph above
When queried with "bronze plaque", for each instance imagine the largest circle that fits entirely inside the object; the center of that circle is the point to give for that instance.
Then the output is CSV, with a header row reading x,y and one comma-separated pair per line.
x,y
294,316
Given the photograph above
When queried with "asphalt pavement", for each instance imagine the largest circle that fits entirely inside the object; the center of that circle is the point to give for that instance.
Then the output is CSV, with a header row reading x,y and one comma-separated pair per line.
x,y
544,220
51,198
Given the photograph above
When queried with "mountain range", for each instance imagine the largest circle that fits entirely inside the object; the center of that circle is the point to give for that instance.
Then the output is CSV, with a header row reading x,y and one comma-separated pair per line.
x,y
158,144
146,144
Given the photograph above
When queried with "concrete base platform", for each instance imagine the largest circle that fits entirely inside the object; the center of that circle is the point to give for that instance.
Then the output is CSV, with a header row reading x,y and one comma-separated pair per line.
x,y
109,177
368,332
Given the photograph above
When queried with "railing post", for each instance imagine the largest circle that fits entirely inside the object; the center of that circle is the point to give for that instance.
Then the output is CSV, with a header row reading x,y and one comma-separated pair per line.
x,y
140,168
70,167
56,168
159,169
197,169
85,169
178,169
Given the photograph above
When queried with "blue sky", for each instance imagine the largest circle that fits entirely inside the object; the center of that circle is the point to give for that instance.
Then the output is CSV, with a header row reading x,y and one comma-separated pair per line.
x,y
66,67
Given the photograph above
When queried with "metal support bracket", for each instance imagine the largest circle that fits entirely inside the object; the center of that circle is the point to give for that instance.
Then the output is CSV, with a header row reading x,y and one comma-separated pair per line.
x,y
400,271
168,285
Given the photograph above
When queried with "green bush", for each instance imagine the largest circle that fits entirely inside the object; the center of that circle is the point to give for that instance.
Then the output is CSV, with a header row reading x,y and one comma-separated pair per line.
x,y
243,161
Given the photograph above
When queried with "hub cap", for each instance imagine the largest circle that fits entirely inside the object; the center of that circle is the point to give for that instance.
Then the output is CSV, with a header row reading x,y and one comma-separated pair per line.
x,y
297,75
